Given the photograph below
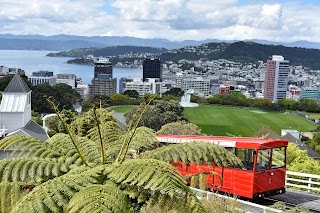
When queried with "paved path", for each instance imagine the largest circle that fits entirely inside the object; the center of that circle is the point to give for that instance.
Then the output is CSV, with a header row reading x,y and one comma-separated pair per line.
x,y
301,198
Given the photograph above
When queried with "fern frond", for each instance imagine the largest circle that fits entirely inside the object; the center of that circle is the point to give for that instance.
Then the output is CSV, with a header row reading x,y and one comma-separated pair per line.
x,y
143,138
27,146
153,176
89,148
11,192
31,170
108,197
194,152
54,195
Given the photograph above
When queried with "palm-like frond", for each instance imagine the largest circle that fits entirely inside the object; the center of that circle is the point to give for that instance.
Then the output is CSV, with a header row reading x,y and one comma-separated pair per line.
x,y
54,195
100,198
143,138
27,146
153,176
194,152
11,192
31,170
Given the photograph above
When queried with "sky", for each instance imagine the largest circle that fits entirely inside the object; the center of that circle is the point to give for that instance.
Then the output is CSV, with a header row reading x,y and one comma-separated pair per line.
x,y
176,20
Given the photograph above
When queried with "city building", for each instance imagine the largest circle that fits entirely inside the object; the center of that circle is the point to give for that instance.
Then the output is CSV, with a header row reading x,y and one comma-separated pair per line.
x,y
312,93
69,79
276,78
200,86
141,87
152,68
103,67
35,80
15,111
103,83
122,84
4,70
42,73
103,86
84,91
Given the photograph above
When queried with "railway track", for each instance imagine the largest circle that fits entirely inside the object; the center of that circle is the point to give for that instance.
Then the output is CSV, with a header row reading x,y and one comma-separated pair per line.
x,y
289,205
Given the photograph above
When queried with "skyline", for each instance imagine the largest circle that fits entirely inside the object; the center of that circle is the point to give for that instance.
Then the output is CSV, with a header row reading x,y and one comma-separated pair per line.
x,y
176,20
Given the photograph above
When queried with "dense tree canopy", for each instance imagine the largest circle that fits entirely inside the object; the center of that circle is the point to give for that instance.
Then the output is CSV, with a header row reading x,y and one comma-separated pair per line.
x,y
157,115
62,94
131,93
180,128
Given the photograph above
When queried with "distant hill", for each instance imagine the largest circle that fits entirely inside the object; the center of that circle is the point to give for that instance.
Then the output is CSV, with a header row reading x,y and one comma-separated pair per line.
x,y
68,42
39,44
107,51
246,52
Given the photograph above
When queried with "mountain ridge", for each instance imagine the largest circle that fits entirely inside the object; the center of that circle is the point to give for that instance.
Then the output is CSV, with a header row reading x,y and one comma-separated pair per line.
x,y
62,42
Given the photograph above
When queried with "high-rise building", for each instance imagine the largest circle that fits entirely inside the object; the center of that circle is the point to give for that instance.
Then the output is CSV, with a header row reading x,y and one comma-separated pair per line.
x,y
276,78
152,68
103,67
103,83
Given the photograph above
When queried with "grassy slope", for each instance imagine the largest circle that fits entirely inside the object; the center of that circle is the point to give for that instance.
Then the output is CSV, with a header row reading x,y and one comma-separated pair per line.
x,y
217,120
123,109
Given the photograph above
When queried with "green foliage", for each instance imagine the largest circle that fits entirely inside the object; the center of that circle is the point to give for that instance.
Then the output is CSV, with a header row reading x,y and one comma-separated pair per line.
x,y
194,152
174,92
299,161
157,115
180,128
62,93
315,142
69,173
119,99
131,93
82,124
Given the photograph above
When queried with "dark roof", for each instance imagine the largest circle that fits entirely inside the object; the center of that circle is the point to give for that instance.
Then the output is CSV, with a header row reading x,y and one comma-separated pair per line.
x,y
271,134
34,130
311,153
17,85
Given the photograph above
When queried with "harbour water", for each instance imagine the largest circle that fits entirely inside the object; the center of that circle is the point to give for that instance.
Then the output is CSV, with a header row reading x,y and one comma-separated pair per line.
x,y
31,61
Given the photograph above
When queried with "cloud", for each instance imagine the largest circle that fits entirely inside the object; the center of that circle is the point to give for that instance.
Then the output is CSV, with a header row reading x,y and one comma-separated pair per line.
x,y
171,19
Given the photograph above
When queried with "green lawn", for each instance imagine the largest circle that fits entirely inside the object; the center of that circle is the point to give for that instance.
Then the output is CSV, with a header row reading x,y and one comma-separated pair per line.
x,y
314,115
219,120
123,109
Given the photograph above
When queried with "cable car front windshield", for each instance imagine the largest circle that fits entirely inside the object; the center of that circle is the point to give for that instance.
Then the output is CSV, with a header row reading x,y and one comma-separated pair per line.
x,y
271,158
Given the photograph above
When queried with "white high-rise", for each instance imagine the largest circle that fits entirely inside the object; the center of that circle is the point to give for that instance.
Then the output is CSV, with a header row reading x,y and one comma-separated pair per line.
x,y
276,78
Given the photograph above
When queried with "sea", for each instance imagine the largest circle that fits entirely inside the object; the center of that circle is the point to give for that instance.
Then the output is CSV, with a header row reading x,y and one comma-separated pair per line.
x,y
32,61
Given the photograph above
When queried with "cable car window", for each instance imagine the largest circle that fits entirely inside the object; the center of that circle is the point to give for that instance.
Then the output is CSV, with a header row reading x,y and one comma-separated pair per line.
x,y
278,157
247,158
263,162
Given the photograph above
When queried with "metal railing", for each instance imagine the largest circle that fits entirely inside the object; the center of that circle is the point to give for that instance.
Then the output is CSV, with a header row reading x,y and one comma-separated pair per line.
x,y
303,181
294,179
245,205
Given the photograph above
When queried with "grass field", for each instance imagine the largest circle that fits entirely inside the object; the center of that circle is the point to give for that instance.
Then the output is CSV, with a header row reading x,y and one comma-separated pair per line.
x,y
314,115
217,120
123,109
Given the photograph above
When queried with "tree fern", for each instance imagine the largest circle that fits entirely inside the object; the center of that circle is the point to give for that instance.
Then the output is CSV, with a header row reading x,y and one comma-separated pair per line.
x,y
100,198
194,152
11,192
31,170
54,195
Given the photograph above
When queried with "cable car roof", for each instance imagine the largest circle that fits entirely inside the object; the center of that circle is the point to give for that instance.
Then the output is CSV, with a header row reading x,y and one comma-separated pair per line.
x,y
238,142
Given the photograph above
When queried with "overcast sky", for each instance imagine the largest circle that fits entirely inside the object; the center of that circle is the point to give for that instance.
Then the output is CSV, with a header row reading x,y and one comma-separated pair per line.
x,y
171,19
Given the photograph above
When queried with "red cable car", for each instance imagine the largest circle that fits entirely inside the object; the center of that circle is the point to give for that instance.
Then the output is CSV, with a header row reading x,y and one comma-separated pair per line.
x,y
264,165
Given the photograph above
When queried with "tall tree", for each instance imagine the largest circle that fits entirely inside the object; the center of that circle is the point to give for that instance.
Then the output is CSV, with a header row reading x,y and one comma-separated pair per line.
x,y
77,174
157,115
